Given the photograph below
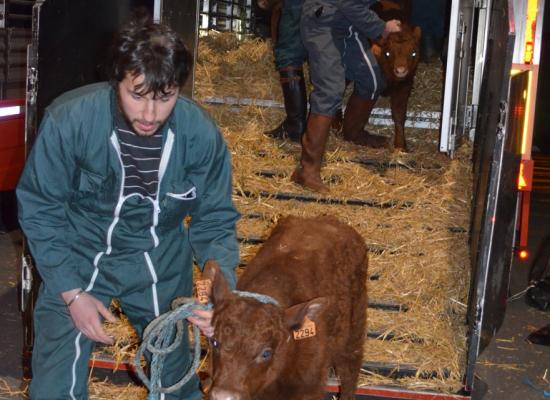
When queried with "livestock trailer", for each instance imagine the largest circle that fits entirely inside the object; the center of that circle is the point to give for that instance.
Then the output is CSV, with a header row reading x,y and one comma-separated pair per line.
x,y
483,104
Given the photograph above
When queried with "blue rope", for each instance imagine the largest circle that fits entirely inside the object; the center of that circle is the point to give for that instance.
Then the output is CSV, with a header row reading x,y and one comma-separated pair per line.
x,y
165,333
537,389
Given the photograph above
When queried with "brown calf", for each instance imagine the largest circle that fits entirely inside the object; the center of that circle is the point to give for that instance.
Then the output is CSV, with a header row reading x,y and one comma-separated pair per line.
x,y
316,269
398,56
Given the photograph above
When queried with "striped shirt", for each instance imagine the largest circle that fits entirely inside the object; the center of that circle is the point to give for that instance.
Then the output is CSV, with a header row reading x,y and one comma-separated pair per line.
x,y
140,159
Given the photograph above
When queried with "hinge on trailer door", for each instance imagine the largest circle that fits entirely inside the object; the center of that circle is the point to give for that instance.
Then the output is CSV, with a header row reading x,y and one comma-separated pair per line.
x,y
32,79
470,116
480,3
26,282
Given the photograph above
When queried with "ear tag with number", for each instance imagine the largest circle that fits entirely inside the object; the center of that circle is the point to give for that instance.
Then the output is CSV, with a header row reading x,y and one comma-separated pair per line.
x,y
306,331
202,290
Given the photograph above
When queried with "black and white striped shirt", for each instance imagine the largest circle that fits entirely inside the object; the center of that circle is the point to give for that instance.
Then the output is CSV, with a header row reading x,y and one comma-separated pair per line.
x,y
140,158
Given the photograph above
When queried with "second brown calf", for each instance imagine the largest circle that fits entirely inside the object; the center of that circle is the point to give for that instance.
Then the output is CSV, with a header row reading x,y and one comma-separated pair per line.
x,y
398,56
316,269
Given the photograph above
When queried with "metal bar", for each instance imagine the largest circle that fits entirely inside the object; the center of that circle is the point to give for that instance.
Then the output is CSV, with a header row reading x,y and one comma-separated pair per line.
x,y
397,371
379,116
376,393
388,306
383,335
22,2
19,17
327,200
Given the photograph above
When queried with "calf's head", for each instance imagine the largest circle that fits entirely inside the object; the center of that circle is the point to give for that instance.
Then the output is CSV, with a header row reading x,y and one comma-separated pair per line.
x,y
398,53
253,341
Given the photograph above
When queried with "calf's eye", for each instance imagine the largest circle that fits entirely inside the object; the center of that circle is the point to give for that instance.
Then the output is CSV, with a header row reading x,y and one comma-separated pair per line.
x,y
215,343
413,54
266,354
387,54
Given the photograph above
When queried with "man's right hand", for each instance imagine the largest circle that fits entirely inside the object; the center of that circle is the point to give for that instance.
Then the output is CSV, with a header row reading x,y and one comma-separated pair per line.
x,y
85,312
391,26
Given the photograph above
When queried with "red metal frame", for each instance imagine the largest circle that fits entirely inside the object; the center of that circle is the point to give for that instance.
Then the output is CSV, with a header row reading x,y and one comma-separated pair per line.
x,y
379,392
390,393
110,364
12,145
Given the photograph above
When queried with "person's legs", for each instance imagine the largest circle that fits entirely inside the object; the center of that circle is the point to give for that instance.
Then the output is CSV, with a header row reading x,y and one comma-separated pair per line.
x,y
363,69
140,307
430,16
60,353
289,58
327,77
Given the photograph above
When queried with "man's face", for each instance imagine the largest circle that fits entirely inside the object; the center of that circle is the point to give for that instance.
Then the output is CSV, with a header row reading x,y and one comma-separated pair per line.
x,y
144,112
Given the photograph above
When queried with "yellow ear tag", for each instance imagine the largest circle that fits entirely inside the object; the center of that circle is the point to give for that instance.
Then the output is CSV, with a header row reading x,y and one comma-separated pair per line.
x,y
202,290
306,331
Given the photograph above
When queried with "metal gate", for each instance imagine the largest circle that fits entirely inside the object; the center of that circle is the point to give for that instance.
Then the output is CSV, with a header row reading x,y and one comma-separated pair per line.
x,y
453,116
226,16
15,35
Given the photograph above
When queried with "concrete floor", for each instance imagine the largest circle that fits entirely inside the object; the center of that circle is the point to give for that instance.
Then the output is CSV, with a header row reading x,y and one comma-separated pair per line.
x,y
501,369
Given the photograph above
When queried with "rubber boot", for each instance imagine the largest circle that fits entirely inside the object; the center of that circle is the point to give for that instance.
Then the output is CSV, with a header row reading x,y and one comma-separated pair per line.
x,y
295,100
314,140
357,114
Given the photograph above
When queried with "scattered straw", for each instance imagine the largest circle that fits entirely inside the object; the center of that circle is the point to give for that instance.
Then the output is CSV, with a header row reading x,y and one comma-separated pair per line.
x,y
416,224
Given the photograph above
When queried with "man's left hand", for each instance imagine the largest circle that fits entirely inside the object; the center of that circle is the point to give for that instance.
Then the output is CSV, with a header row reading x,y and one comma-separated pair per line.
x,y
203,320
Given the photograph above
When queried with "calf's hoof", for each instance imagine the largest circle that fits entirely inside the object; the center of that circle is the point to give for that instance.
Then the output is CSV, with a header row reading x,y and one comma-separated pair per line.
x,y
369,140
309,181
400,146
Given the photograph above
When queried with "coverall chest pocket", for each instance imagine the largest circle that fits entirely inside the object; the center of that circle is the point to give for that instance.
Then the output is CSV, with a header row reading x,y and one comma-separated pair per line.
x,y
178,202
93,189
93,186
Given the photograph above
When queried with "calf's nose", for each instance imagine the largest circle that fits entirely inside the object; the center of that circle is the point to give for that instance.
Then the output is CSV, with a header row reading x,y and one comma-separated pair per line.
x,y
401,72
222,394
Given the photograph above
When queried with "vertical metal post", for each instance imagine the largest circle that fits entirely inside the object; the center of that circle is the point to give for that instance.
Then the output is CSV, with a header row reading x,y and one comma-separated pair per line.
x,y
3,14
157,9
4,83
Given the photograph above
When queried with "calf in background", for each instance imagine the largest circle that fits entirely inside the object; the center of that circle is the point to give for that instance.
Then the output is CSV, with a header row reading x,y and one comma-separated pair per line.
x,y
398,56
316,269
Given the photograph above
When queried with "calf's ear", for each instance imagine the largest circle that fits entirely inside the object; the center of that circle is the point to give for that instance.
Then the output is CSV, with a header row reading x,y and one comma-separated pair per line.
x,y
376,50
220,289
295,315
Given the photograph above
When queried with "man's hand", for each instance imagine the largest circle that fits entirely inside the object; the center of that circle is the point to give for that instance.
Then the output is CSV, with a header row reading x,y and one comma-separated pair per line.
x,y
392,26
85,312
203,320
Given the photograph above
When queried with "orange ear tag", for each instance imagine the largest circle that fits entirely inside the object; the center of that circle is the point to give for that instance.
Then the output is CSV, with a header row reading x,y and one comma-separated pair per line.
x,y
306,331
202,290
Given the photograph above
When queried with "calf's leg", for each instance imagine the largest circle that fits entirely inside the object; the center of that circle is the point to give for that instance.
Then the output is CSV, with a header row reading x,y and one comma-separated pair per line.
x,y
399,100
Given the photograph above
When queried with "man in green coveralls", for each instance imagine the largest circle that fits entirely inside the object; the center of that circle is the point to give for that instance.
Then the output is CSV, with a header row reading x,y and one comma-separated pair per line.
x,y
115,170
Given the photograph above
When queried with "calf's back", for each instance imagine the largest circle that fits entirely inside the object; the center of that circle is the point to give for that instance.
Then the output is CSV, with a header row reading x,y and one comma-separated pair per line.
x,y
316,269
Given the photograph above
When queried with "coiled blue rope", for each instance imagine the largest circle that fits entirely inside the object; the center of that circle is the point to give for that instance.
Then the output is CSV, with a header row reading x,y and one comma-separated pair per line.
x,y
537,389
165,333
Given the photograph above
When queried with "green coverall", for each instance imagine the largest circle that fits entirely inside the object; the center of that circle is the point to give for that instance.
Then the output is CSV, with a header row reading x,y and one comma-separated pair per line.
x,y
83,232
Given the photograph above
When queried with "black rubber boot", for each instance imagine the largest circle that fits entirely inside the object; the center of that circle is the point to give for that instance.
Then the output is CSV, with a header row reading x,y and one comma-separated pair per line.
x,y
295,100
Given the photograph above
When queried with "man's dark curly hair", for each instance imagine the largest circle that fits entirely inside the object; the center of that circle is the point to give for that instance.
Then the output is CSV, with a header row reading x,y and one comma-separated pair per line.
x,y
152,50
